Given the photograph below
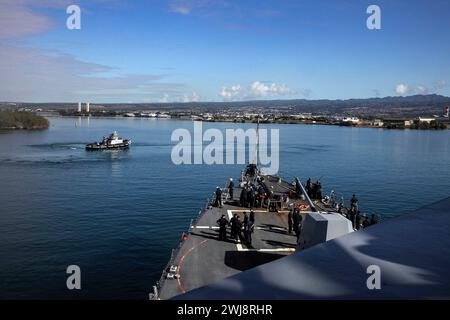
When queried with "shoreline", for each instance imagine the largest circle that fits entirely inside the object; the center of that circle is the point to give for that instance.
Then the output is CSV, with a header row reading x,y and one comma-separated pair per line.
x,y
235,121
23,129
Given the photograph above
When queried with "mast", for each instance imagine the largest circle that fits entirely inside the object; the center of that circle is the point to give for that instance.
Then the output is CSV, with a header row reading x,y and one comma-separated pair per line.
x,y
255,154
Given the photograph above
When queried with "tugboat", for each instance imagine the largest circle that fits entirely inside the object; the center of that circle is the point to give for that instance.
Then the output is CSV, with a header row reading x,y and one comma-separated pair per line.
x,y
111,142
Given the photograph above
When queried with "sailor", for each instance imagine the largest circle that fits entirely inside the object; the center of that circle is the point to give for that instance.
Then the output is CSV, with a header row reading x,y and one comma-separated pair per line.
x,y
299,231
246,195
352,217
252,217
235,226
251,197
238,229
365,222
358,220
257,197
340,205
298,190
218,202
222,222
230,188
313,191
297,220
373,219
246,219
333,199
354,202
285,198
262,196
272,205
318,190
251,169
243,197
248,231
309,187
290,215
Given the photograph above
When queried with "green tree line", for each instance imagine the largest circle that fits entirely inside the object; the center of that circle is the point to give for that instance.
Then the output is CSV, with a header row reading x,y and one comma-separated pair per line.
x,y
22,120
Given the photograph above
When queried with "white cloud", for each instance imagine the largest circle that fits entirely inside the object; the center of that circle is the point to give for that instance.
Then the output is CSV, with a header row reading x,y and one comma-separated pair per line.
x,y
164,98
193,97
230,93
40,76
439,84
402,89
23,18
47,75
180,9
180,97
259,89
421,89
256,90
199,7
17,20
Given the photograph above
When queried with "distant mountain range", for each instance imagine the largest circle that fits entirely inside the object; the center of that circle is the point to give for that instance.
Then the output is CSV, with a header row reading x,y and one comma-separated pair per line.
x,y
387,106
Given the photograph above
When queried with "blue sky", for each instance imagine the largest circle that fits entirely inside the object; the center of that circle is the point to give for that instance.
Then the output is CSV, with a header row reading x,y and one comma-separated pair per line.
x,y
206,50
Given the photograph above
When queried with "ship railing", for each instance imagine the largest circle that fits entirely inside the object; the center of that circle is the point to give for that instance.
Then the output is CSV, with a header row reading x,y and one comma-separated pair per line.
x,y
160,283
163,278
174,253
201,212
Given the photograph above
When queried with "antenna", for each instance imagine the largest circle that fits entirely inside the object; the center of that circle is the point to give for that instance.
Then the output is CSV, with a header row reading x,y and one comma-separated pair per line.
x,y
255,155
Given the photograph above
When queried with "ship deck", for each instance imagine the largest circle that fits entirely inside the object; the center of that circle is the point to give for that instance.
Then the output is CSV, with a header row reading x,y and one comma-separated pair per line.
x,y
202,258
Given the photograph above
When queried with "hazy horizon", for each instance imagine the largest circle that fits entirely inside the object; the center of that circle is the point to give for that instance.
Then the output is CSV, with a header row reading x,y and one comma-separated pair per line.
x,y
239,101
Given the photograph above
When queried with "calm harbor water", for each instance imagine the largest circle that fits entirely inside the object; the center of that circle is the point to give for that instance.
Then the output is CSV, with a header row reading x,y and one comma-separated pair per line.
x,y
118,214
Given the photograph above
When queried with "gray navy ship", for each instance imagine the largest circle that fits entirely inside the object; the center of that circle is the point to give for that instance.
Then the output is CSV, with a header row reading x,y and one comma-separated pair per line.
x,y
204,256
264,224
